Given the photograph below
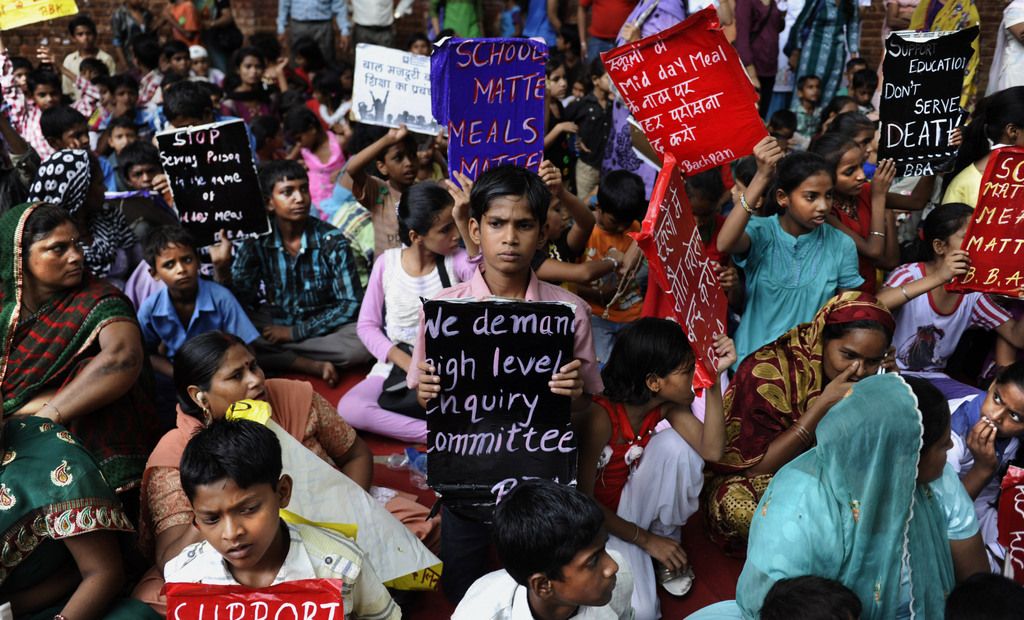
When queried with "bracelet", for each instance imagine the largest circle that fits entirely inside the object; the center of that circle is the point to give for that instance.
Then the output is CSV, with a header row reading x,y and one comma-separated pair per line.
x,y
746,207
636,534
612,260
878,234
59,414
903,289
803,434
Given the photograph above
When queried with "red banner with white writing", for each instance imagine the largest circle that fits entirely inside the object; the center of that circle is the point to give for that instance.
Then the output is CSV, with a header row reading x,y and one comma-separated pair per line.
x,y
675,255
689,93
995,234
307,599
1011,523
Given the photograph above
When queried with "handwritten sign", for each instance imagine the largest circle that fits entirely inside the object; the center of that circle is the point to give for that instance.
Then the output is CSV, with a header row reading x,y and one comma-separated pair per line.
x,y
687,90
391,88
490,95
1011,522
995,234
213,180
675,254
496,421
14,14
306,599
920,104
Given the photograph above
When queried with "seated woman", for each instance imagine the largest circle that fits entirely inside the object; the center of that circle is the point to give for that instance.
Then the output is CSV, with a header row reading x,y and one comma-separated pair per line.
x,y
780,394
211,372
72,349
60,523
873,506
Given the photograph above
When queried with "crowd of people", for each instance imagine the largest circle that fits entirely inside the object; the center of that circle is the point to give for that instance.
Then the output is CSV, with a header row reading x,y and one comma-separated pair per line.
x,y
852,443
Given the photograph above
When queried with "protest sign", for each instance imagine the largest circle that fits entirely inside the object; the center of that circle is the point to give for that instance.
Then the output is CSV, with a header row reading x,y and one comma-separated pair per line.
x,y
391,88
306,599
1011,522
920,104
995,233
213,180
689,93
675,255
16,13
489,93
496,421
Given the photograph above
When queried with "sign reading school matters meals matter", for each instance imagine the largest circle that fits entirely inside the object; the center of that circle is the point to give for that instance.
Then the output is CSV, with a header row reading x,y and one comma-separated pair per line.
x,y
675,254
689,93
16,13
489,93
995,233
920,104
306,599
391,88
496,421
213,180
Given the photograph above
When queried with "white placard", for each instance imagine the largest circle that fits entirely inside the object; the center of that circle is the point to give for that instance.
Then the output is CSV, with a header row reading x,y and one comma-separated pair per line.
x,y
392,88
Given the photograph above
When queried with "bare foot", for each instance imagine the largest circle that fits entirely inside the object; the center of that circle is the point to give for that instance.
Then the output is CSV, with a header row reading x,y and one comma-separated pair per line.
x,y
323,370
329,373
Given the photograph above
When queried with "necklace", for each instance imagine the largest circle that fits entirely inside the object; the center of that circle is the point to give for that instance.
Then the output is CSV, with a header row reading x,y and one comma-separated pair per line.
x,y
847,205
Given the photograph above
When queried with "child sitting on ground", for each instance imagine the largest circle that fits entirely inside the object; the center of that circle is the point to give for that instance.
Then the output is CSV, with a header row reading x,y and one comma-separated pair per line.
x,y
551,540
201,69
319,149
231,473
808,98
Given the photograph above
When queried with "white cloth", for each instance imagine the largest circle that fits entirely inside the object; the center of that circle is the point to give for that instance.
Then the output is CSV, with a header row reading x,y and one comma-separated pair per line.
x,y
496,596
1008,61
659,496
785,79
378,13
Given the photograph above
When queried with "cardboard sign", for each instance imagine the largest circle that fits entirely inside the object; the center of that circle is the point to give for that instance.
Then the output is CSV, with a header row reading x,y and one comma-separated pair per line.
x,y
489,93
496,421
391,88
689,93
995,234
920,104
16,13
307,599
675,254
1011,522
213,180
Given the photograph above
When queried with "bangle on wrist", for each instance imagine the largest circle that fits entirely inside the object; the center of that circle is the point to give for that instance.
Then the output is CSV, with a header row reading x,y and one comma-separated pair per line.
x,y
636,534
745,205
903,289
878,234
805,435
60,415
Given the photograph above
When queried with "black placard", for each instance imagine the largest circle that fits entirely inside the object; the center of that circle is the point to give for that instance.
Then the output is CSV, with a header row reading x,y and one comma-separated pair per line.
x,y
496,421
213,180
923,76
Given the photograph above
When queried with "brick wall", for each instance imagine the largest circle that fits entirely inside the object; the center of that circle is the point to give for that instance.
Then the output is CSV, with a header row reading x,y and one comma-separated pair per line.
x,y
260,15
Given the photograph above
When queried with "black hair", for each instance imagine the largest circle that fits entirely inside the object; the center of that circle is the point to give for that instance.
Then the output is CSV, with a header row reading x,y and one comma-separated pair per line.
x,y
991,116
172,47
832,109
20,62
81,20
97,66
810,598
187,99
55,121
174,77
102,81
264,128
509,180
447,32
310,50
146,49
161,238
853,62
363,136
941,224
196,362
985,596
792,171
707,185
851,123
268,42
1014,373
804,79
212,90
555,60
595,69
622,195
43,221
834,331
299,120
540,526
42,77
644,347
289,100
418,209
571,36
135,154
864,78
245,452
122,122
240,55
270,173
416,37
833,146
934,410
744,169
328,82
783,119
123,80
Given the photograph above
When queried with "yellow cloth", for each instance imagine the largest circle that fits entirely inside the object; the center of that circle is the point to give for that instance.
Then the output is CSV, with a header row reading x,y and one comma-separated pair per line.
x,y
954,15
965,187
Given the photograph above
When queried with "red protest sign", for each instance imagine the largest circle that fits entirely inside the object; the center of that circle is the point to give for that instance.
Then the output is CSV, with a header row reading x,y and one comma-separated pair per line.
x,y
675,255
1011,522
307,599
689,93
995,234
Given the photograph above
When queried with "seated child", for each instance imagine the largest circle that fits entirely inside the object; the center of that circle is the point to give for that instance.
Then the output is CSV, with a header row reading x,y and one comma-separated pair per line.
x,y
805,105
187,305
201,69
782,127
308,277
266,131
508,206
319,149
121,131
140,167
25,109
21,67
83,31
852,66
146,49
862,90
551,540
67,128
231,473
648,482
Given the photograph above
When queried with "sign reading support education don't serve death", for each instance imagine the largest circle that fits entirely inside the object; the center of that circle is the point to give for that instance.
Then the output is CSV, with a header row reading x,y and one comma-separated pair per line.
x,y
995,233
213,180
305,599
496,421
391,88
489,93
923,75
689,93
